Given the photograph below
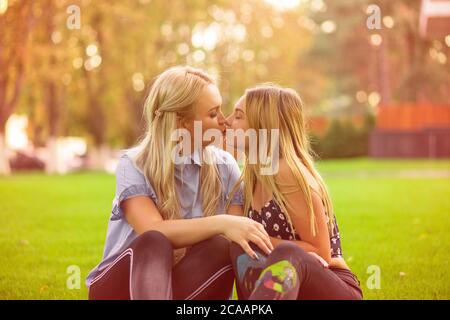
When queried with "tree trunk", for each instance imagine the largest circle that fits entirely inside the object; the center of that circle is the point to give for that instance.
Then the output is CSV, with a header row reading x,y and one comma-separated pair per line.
x,y
12,62
95,88
53,162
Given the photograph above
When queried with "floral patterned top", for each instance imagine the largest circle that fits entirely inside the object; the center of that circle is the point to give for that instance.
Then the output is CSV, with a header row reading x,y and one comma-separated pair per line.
x,y
275,222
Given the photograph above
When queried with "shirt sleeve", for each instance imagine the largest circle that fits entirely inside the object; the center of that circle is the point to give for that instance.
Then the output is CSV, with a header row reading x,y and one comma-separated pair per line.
x,y
130,182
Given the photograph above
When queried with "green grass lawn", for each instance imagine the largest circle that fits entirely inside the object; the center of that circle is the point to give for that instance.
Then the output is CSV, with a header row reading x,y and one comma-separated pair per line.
x,y
400,224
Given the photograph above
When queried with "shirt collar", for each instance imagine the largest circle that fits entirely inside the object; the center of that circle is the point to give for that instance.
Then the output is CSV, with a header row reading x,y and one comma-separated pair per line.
x,y
193,158
196,157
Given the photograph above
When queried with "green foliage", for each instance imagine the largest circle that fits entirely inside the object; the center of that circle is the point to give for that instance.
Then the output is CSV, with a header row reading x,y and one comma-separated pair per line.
x,y
255,43
343,139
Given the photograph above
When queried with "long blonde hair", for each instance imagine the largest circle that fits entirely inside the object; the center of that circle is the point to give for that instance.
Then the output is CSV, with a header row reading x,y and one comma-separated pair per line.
x,y
173,96
270,106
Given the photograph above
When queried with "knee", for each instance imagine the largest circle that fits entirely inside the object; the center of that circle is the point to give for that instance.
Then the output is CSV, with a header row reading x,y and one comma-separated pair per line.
x,y
235,249
218,244
287,247
293,251
219,247
152,239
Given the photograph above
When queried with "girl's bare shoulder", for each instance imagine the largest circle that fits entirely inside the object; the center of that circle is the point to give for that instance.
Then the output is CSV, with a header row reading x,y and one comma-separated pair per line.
x,y
286,175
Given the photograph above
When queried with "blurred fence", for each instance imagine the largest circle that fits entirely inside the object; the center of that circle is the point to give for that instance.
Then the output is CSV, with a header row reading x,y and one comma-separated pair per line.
x,y
411,131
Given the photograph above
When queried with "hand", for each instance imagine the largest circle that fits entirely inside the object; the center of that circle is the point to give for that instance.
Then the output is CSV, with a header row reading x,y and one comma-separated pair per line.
x,y
321,260
241,230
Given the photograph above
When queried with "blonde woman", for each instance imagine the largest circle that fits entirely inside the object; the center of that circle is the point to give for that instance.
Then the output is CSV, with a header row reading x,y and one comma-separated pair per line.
x,y
293,204
167,235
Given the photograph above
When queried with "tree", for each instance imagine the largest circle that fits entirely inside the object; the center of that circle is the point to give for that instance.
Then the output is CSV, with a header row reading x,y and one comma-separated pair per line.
x,y
16,25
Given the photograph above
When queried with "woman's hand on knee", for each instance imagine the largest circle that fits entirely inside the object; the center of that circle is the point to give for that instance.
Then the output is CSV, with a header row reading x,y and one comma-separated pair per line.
x,y
243,230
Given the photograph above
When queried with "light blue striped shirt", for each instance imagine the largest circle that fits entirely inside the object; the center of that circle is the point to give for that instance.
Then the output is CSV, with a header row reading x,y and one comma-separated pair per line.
x,y
131,182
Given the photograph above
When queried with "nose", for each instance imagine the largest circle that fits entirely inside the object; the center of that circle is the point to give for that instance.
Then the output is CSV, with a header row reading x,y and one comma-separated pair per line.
x,y
229,120
222,120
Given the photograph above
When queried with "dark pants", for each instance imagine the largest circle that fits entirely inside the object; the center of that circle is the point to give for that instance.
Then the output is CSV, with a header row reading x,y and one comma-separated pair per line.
x,y
145,271
290,273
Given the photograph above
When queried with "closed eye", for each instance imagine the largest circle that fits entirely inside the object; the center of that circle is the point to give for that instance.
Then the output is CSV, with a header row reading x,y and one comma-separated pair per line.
x,y
239,114
214,112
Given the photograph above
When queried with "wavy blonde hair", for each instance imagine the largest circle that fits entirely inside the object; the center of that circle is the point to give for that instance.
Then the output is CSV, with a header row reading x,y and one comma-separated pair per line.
x,y
173,96
270,106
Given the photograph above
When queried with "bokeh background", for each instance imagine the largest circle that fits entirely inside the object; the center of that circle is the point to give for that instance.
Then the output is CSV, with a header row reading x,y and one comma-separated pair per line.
x,y
374,77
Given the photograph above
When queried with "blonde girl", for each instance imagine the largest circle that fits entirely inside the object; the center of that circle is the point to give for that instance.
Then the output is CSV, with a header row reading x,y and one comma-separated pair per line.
x,y
293,204
168,236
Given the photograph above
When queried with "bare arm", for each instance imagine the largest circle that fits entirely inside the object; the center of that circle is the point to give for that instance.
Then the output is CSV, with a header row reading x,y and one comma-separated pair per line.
x,y
299,214
143,215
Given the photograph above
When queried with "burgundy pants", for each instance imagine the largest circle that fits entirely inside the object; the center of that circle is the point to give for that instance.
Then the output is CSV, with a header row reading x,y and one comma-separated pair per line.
x,y
145,271
290,273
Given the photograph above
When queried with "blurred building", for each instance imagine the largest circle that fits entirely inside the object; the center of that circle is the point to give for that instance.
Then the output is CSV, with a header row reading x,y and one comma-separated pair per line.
x,y
435,18
412,131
